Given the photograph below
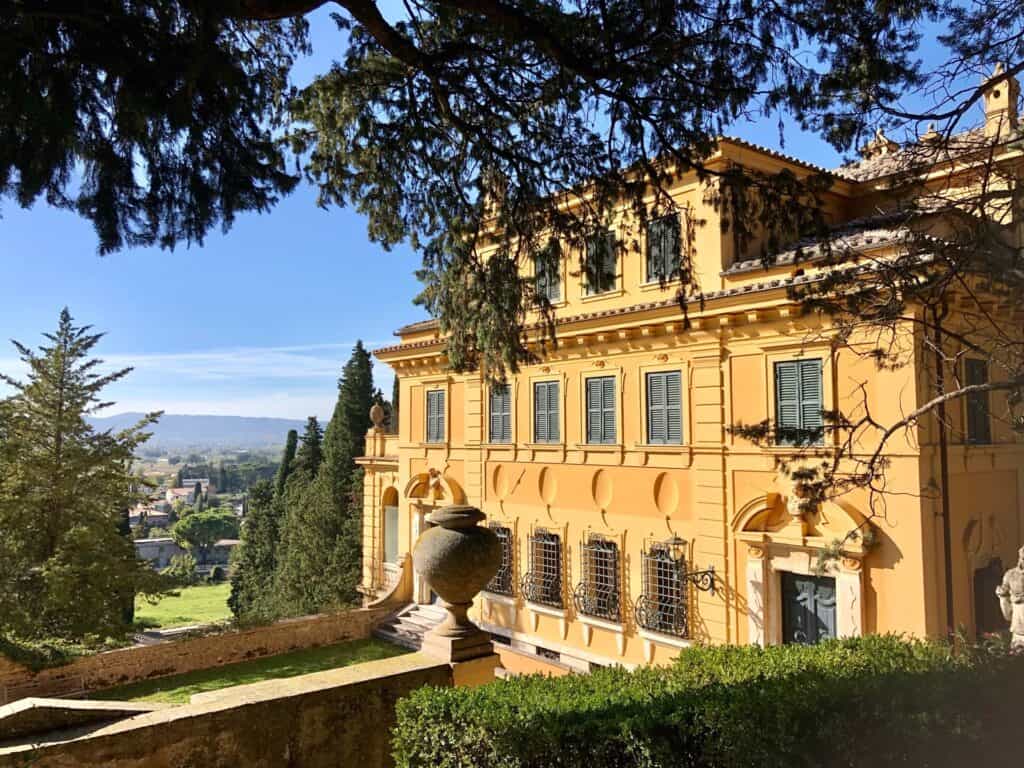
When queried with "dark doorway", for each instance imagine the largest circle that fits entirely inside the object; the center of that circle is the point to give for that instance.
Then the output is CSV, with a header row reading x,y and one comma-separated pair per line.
x,y
987,615
808,608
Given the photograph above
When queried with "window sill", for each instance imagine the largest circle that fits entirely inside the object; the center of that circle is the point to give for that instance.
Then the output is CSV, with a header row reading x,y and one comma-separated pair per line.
x,y
593,621
603,295
494,597
546,610
498,446
599,447
656,286
664,639
544,446
661,447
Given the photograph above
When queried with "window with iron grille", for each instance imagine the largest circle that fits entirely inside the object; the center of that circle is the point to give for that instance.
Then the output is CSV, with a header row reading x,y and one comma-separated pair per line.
x,y
501,584
663,248
979,429
543,582
600,266
435,416
663,606
500,428
598,594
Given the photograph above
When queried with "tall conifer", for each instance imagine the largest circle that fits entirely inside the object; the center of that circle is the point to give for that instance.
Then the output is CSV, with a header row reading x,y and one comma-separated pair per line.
x,y
291,443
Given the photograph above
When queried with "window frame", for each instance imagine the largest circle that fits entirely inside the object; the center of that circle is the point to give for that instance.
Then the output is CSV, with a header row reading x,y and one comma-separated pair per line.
x,y
506,415
552,284
547,383
603,409
589,289
442,416
977,401
799,363
648,437
672,274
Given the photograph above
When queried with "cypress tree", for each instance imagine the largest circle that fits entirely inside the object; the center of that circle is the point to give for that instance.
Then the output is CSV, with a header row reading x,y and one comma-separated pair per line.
x,y
395,391
346,433
310,452
66,567
255,560
291,443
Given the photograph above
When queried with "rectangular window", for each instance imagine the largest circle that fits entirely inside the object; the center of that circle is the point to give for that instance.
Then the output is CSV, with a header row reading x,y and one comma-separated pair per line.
x,y
545,412
601,409
598,594
979,429
808,609
601,267
500,427
662,606
547,275
390,534
435,416
664,408
501,584
663,248
798,403
543,582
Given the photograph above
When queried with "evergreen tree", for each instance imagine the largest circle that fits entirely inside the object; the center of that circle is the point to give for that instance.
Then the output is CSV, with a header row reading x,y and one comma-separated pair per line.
x,y
179,478
310,453
345,437
197,496
395,391
66,569
291,443
222,478
255,559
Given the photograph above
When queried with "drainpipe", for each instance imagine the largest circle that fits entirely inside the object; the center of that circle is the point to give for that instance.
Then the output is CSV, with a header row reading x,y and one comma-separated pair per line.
x,y
947,527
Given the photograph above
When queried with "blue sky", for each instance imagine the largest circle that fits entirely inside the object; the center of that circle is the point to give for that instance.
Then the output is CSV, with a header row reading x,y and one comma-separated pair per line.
x,y
256,322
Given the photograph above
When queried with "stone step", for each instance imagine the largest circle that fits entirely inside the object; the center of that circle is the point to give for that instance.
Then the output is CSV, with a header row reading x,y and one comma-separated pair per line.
x,y
402,639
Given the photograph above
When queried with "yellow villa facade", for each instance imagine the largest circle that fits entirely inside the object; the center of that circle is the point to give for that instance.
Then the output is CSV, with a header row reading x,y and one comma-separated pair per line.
x,y
634,522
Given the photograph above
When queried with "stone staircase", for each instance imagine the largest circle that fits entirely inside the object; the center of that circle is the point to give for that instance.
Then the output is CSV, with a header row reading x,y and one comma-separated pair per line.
x,y
407,627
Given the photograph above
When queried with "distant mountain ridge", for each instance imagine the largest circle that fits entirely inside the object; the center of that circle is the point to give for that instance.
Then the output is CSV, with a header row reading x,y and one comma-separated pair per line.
x,y
177,431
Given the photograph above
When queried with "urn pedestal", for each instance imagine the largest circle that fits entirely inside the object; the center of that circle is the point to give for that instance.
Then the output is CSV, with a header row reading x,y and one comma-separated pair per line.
x,y
457,558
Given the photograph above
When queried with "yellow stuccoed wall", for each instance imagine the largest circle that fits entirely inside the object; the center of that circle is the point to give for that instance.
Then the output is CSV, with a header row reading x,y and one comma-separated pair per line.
x,y
706,490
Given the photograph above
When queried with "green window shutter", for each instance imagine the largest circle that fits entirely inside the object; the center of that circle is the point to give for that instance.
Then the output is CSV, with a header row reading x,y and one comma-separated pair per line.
x,y
662,247
787,397
601,409
600,263
500,415
440,416
674,407
540,413
798,400
431,417
979,428
545,412
657,425
546,270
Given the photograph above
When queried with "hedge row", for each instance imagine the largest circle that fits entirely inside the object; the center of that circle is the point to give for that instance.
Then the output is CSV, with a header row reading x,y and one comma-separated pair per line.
x,y
874,701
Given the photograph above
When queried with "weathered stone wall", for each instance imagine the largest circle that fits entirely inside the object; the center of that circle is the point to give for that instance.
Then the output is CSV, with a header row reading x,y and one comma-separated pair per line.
x,y
337,718
129,665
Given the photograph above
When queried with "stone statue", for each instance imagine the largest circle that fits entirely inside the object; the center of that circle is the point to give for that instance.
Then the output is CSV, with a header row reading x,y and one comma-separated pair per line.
x,y
1011,600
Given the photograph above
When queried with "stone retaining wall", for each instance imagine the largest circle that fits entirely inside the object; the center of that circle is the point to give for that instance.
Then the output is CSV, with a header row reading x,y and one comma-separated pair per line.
x,y
340,717
142,662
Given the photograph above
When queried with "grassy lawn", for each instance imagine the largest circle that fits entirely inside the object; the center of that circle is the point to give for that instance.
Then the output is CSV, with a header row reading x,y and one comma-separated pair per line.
x,y
179,688
194,605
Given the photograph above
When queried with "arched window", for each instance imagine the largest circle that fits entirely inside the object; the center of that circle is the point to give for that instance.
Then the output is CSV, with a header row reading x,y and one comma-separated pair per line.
x,y
389,522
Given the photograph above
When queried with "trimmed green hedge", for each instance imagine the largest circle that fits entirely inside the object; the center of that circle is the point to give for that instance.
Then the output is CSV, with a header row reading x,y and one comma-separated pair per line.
x,y
866,702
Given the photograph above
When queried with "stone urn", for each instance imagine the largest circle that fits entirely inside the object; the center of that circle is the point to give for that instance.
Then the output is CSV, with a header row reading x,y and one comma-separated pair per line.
x,y
457,558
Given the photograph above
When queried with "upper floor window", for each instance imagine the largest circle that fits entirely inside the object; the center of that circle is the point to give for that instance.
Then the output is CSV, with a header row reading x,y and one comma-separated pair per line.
x,y
979,429
435,416
664,408
601,267
501,584
798,403
601,409
500,427
663,248
545,412
547,272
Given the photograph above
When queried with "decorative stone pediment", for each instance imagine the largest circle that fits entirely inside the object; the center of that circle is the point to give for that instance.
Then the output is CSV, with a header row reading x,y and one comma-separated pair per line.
x,y
434,486
774,518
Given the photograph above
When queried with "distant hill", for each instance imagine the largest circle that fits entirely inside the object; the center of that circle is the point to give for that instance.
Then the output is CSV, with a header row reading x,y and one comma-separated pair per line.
x,y
176,432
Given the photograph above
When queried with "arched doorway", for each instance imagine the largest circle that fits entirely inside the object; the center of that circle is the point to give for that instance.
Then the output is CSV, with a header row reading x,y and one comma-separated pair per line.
x,y
389,535
426,491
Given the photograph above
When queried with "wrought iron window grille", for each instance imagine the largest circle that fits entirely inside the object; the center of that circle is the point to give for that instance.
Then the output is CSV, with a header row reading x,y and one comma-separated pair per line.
x,y
542,583
599,594
664,605
501,584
